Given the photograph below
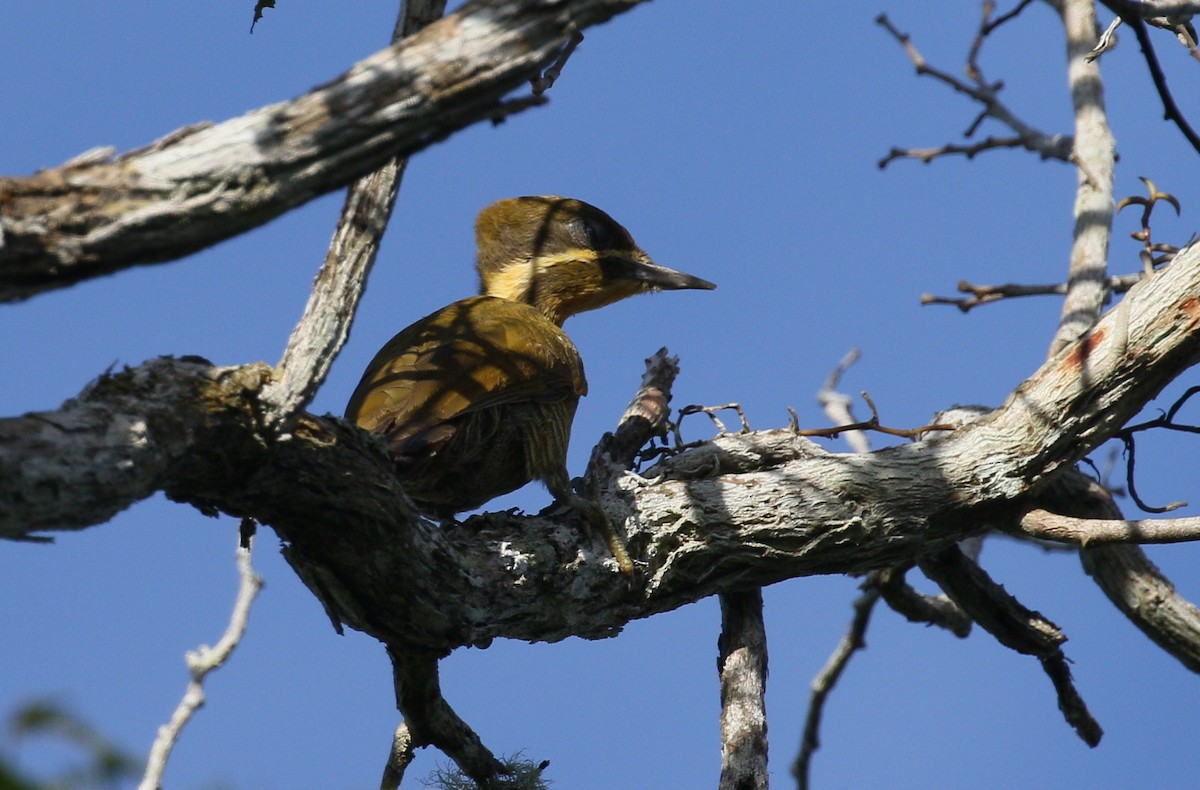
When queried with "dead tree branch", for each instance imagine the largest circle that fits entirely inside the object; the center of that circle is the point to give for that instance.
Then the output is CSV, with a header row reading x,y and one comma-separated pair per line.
x,y
1014,626
431,721
742,668
1047,146
1094,155
827,678
987,294
1136,14
1044,525
325,325
200,663
743,509
917,607
1123,572
97,214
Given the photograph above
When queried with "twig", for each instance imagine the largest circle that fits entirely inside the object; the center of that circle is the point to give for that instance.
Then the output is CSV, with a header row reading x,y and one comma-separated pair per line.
x,y
742,666
200,662
872,424
1165,422
1179,23
711,411
837,404
258,12
1044,525
986,27
827,678
518,104
969,150
1132,14
986,294
1154,196
1047,146
546,79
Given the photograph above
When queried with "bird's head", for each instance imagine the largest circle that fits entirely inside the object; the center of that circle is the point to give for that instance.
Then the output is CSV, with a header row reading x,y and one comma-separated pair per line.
x,y
564,256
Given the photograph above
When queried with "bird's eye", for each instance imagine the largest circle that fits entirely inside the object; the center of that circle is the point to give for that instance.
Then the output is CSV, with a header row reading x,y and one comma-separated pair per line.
x,y
593,233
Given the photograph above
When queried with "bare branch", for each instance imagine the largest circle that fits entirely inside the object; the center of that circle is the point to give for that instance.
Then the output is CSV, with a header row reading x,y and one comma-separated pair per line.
x,y
1166,422
1130,580
206,183
546,79
1148,203
1044,525
399,758
200,662
1147,598
1047,146
827,678
1014,626
325,325
1135,14
1159,8
969,150
837,404
431,721
1094,155
987,26
742,510
647,416
917,607
742,666
987,294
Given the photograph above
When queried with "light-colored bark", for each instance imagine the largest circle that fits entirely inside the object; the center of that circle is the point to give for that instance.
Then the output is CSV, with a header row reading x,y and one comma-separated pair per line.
x,y
199,185
1094,155
744,509
742,668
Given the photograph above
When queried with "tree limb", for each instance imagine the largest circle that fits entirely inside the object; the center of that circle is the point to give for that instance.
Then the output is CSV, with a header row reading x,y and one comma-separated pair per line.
x,y
1014,626
1049,146
742,668
342,279
430,721
205,183
1136,14
743,510
1094,154
1126,575
1044,525
916,607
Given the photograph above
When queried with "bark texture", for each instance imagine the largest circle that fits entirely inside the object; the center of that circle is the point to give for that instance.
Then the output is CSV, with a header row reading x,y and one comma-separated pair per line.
x,y
742,510
100,213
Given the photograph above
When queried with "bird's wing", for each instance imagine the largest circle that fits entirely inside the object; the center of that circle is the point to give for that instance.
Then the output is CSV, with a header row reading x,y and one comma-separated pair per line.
x,y
472,355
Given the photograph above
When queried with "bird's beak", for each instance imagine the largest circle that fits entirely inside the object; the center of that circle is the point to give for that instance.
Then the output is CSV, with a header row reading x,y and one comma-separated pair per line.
x,y
654,277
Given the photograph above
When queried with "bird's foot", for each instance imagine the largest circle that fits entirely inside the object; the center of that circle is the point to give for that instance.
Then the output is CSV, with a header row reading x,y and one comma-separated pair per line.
x,y
598,522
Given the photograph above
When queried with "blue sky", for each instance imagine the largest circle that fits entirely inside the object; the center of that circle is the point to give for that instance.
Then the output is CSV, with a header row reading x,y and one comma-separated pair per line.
x,y
736,142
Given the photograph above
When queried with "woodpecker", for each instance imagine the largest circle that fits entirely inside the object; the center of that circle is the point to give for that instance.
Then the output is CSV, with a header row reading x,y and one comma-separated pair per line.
x,y
477,399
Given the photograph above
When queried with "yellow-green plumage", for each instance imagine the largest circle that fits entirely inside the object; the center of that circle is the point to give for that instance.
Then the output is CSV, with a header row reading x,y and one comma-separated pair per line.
x,y
477,399
474,401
